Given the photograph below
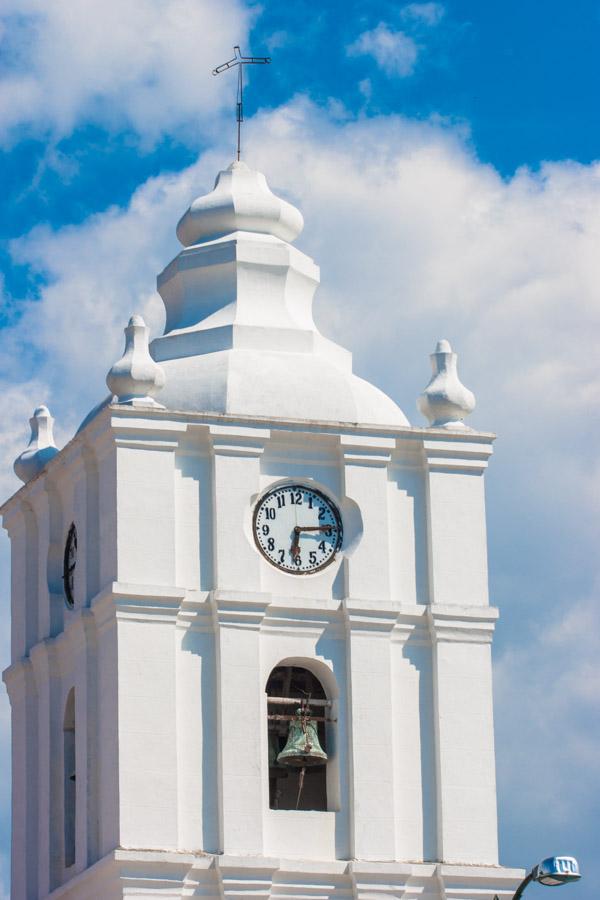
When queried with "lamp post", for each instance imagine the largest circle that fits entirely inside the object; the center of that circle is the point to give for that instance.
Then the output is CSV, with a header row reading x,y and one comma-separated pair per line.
x,y
551,871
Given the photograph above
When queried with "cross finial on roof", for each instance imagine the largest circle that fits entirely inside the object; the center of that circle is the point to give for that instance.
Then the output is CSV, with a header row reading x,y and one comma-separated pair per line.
x,y
240,61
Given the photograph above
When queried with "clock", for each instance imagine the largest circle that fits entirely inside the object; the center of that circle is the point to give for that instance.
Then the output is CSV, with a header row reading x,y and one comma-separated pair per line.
x,y
69,563
297,529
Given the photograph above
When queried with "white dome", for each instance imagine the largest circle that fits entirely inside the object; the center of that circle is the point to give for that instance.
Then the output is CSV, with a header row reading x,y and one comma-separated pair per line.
x,y
270,383
240,338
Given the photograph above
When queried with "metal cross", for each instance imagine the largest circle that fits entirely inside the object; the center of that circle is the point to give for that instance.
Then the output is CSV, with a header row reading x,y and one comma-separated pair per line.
x,y
240,61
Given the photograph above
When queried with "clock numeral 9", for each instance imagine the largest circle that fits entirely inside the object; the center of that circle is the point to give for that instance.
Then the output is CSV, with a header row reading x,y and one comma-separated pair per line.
x,y
265,530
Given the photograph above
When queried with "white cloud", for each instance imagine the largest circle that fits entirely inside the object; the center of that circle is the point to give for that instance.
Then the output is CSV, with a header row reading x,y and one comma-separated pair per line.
x,y
143,65
548,693
394,51
426,13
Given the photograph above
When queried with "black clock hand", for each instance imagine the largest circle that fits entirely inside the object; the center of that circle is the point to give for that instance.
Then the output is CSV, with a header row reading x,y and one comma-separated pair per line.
x,y
326,528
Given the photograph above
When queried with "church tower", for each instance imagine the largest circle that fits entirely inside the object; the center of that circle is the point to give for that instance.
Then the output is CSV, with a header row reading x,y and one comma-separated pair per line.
x,y
251,638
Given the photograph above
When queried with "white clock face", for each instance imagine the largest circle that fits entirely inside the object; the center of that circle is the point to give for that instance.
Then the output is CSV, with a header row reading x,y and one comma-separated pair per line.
x,y
297,528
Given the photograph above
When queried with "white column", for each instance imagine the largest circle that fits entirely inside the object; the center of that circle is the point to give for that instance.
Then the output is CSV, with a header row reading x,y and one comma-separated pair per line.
x,y
366,483
146,511
147,739
40,505
370,725
197,732
463,716
19,682
456,518
413,735
107,694
236,479
241,723
14,522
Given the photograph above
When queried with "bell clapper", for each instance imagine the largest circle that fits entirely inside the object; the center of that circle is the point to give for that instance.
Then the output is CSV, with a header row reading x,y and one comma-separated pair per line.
x,y
301,775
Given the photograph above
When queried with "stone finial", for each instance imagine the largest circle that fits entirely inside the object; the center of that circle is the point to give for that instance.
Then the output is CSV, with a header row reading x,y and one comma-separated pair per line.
x,y
41,447
135,378
445,402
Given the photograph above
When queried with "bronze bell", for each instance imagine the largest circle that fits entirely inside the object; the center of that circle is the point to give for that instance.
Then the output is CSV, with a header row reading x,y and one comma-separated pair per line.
x,y
303,747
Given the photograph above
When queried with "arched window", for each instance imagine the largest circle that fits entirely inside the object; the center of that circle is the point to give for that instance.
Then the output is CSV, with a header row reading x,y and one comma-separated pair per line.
x,y
298,709
69,776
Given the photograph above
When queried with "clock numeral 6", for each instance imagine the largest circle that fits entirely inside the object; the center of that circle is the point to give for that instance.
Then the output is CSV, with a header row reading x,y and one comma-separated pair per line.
x,y
298,560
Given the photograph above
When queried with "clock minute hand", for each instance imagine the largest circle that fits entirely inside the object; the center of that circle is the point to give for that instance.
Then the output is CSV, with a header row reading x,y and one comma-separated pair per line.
x,y
326,528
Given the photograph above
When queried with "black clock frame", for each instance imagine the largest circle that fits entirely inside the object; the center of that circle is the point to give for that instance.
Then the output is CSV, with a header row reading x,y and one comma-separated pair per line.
x,y
328,501
69,564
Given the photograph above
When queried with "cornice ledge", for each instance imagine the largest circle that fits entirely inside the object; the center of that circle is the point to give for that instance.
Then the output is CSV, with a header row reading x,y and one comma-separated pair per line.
x,y
463,456
147,602
244,609
367,450
238,440
15,677
230,865
463,881
364,615
471,624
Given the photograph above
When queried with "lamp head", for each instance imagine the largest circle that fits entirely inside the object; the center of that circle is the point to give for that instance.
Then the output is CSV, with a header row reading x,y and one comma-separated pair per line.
x,y
557,870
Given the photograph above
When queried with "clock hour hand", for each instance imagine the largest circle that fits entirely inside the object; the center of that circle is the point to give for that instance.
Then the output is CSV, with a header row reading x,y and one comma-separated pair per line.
x,y
295,548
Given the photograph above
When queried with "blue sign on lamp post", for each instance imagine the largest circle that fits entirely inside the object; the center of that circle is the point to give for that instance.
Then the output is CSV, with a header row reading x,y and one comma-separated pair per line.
x,y
552,871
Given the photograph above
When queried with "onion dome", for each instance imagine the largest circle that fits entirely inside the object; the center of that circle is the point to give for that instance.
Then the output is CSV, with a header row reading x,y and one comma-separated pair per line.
x,y
241,201
41,447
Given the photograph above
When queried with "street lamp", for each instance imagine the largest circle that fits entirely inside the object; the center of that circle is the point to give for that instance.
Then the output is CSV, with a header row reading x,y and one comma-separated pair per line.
x,y
554,870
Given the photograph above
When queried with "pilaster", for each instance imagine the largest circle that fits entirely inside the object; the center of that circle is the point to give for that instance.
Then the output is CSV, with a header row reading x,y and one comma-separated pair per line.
x,y
236,477
365,463
464,736
456,518
370,725
240,720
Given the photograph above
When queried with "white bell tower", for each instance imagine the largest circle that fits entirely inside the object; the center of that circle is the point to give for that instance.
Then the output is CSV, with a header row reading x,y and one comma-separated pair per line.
x,y
248,543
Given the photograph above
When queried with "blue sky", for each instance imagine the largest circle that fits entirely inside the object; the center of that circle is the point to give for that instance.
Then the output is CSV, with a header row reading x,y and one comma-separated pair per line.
x,y
444,156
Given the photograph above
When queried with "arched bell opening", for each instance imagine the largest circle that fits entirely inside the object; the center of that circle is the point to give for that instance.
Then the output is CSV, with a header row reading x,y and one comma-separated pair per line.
x,y
298,712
